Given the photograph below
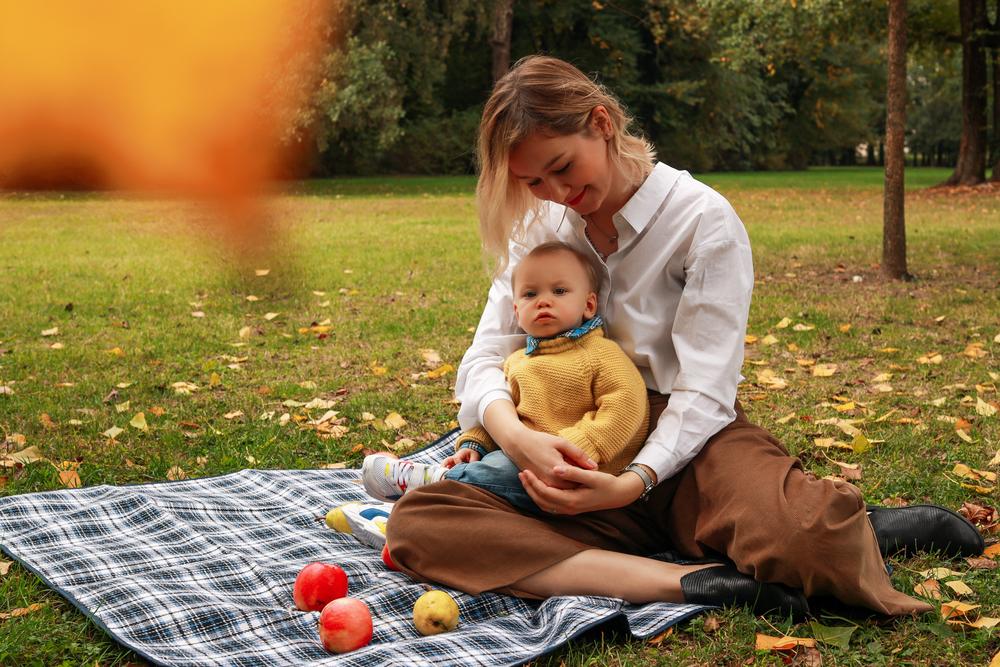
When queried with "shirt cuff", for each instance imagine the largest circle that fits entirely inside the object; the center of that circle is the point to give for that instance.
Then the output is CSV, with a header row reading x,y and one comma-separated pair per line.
x,y
493,395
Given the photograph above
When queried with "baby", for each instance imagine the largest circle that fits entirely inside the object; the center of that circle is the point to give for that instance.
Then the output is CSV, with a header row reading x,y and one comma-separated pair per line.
x,y
569,380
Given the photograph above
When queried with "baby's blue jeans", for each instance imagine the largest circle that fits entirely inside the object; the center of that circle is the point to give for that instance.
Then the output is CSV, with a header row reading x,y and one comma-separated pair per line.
x,y
497,474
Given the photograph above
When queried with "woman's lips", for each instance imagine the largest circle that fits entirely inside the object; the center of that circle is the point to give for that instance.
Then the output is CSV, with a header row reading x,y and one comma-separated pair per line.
x,y
576,200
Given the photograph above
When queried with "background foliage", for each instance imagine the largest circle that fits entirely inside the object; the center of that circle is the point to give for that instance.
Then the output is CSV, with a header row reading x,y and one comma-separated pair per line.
x,y
716,84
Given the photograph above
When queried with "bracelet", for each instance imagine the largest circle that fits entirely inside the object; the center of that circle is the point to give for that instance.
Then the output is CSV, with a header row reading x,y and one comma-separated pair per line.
x,y
474,446
644,476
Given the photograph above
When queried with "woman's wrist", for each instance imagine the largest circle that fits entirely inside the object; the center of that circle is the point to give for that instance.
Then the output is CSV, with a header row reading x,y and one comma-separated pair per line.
x,y
631,485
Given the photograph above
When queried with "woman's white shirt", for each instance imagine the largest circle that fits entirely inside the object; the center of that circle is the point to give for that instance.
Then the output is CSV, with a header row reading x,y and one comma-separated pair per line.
x,y
675,296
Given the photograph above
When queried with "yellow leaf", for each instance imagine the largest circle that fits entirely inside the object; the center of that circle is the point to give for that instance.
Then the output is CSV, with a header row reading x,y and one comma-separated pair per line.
x,y
658,639
930,358
982,490
376,369
767,378
959,587
270,316
394,420
974,351
234,414
956,609
996,339
25,456
21,611
888,350
995,662
123,407
882,377
963,435
139,422
70,479
860,444
995,461
803,327
117,351
5,567
431,358
198,313
769,340
441,370
113,432
749,339
176,473
767,643
333,466
54,331
824,370
262,272
367,416
844,328
983,408
783,323
56,346
844,407
245,332
805,363
214,380
787,418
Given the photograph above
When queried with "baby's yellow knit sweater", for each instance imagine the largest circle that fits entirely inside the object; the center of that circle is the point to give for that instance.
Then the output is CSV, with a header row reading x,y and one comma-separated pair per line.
x,y
585,390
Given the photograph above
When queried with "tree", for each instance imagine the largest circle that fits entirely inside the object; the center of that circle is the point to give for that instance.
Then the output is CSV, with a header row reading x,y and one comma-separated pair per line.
x,y
971,167
894,228
502,25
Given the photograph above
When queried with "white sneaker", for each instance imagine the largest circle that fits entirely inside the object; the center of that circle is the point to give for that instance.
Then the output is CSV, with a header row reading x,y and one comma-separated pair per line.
x,y
388,478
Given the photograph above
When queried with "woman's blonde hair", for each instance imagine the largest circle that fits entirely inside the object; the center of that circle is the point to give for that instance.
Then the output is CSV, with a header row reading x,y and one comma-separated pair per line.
x,y
541,93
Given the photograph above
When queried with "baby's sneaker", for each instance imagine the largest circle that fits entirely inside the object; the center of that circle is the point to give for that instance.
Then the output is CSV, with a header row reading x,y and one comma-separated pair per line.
x,y
388,478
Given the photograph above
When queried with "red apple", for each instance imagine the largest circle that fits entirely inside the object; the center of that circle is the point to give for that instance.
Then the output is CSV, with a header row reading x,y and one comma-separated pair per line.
x,y
387,559
318,584
345,625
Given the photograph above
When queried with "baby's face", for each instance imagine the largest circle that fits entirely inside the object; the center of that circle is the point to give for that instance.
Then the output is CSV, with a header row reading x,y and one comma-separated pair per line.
x,y
552,294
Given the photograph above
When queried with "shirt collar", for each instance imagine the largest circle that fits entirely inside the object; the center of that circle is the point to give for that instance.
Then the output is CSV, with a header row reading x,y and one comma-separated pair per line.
x,y
644,205
595,322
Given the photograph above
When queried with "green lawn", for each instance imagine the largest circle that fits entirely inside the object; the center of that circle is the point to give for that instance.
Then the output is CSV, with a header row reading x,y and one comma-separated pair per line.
x,y
394,265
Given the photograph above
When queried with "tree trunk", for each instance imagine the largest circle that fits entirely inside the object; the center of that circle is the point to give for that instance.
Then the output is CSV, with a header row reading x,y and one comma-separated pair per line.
x,y
971,166
500,31
995,143
893,221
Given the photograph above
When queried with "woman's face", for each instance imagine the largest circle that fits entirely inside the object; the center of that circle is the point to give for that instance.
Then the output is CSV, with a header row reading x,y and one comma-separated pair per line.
x,y
569,169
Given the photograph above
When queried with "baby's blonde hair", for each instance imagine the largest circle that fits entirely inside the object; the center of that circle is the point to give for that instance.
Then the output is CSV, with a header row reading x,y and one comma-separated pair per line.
x,y
541,93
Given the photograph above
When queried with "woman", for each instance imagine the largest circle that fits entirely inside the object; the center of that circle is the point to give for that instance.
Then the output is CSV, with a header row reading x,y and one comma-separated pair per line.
x,y
556,154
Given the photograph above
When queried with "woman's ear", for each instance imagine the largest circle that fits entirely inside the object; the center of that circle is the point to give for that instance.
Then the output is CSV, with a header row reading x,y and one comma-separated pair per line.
x,y
600,122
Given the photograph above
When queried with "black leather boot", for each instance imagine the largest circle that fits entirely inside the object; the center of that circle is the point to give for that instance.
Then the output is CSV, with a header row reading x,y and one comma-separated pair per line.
x,y
725,586
924,528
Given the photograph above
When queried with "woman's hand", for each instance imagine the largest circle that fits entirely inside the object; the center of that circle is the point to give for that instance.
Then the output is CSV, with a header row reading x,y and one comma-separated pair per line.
x,y
465,455
591,490
540,453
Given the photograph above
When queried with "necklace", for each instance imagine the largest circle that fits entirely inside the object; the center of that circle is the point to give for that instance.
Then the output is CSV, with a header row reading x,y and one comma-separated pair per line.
x,y
613,236
611,239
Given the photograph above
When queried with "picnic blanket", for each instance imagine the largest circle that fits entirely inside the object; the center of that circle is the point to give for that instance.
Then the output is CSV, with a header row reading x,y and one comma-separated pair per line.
x,y
200,572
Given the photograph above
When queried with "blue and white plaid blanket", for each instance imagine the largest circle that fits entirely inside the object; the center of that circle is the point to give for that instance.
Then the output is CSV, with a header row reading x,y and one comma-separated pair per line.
x,y
200,572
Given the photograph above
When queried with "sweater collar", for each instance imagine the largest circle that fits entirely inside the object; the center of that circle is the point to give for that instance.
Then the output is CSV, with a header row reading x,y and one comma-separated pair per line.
x,y
555,343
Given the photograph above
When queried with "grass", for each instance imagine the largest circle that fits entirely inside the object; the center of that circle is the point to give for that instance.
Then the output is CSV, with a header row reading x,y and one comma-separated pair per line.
x,y
394,265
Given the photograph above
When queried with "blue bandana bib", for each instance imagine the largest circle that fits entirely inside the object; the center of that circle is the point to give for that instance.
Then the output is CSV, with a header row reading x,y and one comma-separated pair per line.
x,y
593,323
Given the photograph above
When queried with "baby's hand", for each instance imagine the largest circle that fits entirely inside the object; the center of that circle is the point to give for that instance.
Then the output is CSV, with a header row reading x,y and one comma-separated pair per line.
x,y
461,456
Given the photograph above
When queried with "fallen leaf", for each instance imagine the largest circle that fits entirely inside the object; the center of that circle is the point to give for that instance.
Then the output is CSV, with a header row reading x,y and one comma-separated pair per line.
x,y
21,611
995,461
184,388
983,408
768,340
956,609
712,623
157,411
333,466
963,435
768,379
234,414
394,420
198,313
805,363
658,639
440,371
5,390
844,328
787,418
117,351
113,432
70,479
270,316
54,331
834,635
378,370
824,370
783,323
176,473
262,272
139,422
844,407
245,332
431,358
803,327
978,488
959,587
5,566
123,407
46,421
749,339
850,471
939,573
930,358
974,351
982,563
995,662
768,643
929,589
56,346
